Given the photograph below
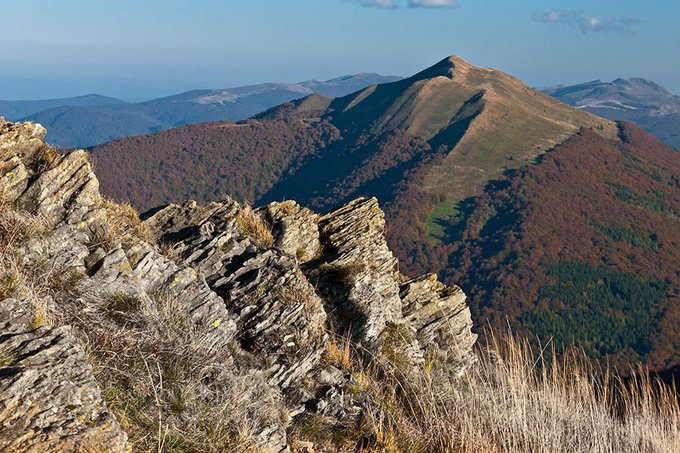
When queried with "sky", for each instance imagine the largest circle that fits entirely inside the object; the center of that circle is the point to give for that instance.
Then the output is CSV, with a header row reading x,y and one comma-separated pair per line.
x,y
143,49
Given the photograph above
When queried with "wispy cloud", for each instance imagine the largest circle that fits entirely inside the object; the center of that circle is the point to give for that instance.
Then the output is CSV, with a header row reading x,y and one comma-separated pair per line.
x,y
433,4
578,19
393,4
383,4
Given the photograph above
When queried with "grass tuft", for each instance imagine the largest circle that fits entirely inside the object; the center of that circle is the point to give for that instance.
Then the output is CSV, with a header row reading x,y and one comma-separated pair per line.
x,y
7,358
125,225
255,227
339,353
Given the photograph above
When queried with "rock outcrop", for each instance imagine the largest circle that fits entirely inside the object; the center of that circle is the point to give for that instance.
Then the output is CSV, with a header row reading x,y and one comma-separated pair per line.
x,y
358,276
49,398
440,318
268,292
295,229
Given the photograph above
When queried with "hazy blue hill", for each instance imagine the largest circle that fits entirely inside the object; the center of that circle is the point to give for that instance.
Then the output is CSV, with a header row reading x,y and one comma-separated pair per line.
x,y
84,126
640,101
14,110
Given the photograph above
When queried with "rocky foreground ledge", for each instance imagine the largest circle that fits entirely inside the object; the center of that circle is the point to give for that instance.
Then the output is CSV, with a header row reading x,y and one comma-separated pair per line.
x,y
272,294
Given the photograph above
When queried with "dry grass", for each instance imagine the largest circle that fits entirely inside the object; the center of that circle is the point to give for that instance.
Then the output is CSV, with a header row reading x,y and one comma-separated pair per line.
x,y
24,279
168,250
170,390
517,401
255,227
339,353
125,225
8,357
48,159
514,400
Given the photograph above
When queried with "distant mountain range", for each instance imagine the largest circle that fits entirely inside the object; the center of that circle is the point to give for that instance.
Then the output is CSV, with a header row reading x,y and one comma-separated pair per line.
x,y
640,101
93,119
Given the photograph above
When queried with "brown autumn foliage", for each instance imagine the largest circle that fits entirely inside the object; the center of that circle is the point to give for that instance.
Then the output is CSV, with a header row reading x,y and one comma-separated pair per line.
x,y
206,161
582,247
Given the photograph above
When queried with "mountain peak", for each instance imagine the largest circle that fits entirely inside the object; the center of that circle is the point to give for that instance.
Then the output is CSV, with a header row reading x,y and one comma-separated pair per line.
x,y
449,67
456,60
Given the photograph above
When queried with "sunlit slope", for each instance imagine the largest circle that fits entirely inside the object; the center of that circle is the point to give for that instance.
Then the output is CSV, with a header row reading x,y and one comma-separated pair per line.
x,y
487,120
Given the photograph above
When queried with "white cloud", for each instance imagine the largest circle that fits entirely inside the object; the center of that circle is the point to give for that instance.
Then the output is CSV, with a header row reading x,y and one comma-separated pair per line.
x,y
578,19
433,4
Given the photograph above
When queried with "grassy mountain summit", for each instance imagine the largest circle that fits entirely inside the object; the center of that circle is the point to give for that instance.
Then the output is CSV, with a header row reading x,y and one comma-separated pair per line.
x,y
486,120
438,150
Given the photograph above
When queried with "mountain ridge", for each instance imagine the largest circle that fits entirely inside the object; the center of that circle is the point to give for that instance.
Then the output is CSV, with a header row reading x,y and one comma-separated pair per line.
x,y
15,110
77,122
433,105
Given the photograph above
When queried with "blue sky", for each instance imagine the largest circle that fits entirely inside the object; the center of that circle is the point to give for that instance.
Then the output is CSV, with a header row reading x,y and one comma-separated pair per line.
x,y
144,48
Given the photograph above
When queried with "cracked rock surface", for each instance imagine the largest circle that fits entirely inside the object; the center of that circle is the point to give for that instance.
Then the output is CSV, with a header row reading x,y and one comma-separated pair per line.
x,y
50,400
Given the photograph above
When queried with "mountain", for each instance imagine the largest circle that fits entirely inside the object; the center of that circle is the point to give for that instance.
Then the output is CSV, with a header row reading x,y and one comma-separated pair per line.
x,y
90,120
639,101
580,248
469,124
215,327
559,222
15,110
343,85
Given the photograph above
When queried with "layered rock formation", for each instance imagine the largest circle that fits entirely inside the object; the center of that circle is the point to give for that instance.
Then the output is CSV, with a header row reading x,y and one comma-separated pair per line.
x,y
49,399
269,291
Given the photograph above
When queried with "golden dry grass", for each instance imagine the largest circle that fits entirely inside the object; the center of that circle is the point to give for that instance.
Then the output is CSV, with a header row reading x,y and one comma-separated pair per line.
x,y
516,400
339,353
168,250
124,222
20,278
255,227
169,388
